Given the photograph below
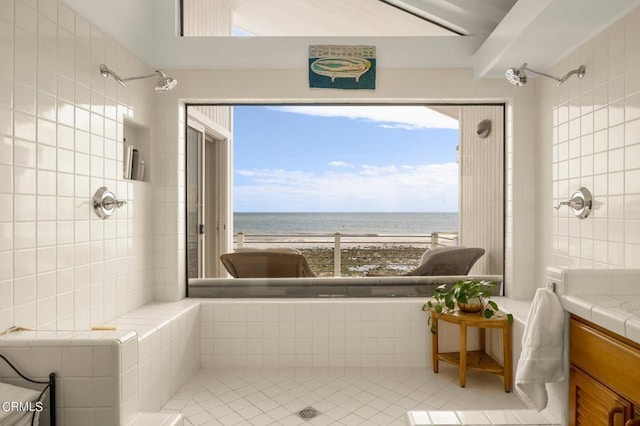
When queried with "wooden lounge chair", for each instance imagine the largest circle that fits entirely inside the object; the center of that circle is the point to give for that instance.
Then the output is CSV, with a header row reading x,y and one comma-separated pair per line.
x,y
452,260
266,263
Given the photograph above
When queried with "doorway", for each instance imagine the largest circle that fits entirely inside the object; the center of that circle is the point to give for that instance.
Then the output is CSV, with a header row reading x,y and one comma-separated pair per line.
x,y
207,193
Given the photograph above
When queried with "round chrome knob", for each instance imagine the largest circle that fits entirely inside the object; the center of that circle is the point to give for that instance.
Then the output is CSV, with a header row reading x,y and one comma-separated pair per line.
x,y
105,202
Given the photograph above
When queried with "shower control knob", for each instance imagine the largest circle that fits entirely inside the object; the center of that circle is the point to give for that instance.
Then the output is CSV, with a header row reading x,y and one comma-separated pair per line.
x,y
580,203
105,203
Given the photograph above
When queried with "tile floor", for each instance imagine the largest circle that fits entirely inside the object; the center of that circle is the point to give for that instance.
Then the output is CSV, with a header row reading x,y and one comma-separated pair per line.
x,y
350,396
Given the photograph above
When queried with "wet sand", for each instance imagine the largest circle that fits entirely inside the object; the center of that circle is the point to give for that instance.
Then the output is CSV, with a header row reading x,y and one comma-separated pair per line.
x,y
359,261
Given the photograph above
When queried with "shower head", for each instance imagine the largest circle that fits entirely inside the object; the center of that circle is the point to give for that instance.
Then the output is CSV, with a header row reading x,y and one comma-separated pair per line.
x,y
164,83
518,77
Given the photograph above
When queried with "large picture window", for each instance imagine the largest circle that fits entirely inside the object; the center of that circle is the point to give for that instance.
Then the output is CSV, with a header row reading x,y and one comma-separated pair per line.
x,y
343,200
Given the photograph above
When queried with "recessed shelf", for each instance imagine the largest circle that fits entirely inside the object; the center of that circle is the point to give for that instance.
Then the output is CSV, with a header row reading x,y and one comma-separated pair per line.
x,y
137,152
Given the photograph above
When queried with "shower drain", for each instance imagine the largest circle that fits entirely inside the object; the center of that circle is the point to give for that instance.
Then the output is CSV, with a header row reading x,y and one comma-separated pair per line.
x,y
308,413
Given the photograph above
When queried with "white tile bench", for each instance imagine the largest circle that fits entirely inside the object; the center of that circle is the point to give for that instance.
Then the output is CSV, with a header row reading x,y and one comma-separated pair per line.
x,y
122,376
168,350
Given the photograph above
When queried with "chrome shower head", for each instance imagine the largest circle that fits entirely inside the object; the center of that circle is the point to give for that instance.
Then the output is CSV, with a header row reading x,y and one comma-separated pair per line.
x,y
164,83
518,77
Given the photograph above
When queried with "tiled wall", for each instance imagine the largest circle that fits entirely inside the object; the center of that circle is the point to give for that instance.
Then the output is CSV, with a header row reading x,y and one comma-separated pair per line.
x,y
590,136
298,333
61,126
312,334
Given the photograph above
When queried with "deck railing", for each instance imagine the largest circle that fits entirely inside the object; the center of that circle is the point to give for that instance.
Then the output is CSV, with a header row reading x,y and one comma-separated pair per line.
x,y
339,240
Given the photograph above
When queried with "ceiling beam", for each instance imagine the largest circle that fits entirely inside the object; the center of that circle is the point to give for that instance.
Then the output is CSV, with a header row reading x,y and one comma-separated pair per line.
x,y
506,35
541,32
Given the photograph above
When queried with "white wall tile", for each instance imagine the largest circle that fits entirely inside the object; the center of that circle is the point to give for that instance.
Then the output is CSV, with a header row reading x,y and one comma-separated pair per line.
x,y
24,263
46,285
25,315
46,259
46,313
78,392
608,160
58,115
632,132
24,290
25,235
6,265
330,338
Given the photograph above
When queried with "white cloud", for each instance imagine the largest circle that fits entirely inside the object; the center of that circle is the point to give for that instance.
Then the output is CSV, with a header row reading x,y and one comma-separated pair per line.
x,y
408,117
339,163
430,188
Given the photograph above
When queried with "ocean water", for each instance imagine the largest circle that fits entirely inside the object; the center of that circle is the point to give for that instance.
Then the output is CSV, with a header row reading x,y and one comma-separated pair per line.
x,y
346,223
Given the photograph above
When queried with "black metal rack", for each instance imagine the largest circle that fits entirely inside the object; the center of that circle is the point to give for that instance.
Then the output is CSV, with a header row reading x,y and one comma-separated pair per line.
x,y
50,384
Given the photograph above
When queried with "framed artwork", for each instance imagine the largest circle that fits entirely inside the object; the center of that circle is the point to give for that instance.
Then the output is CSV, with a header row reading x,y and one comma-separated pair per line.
x,y
342,67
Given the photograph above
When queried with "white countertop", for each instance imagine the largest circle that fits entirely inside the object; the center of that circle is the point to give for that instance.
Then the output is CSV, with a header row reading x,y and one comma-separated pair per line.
x,y
609,298
608,311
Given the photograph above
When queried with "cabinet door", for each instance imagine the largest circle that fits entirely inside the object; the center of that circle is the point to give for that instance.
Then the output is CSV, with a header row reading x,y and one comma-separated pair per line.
x,y
591,403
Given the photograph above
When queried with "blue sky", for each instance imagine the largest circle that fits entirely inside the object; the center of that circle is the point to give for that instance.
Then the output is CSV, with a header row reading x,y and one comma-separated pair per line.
x,y
344,159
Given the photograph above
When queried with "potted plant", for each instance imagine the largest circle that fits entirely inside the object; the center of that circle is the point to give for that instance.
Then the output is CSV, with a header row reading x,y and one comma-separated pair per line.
x,y
470,295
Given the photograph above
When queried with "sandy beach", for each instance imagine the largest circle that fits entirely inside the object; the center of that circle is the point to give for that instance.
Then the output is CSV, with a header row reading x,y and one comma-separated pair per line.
x,y
362,260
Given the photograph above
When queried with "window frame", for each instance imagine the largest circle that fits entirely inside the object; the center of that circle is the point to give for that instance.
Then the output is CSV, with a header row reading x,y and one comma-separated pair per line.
x,y
388,286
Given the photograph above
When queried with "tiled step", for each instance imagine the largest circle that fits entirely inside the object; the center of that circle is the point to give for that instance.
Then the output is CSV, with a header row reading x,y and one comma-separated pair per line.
x,y
478,417
156,419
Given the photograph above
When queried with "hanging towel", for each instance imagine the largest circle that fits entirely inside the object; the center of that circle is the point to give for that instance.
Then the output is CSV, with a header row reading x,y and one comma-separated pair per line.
x,y
12,416
541,360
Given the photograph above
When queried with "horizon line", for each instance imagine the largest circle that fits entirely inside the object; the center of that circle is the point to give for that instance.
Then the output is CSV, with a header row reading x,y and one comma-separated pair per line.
x,y
343,212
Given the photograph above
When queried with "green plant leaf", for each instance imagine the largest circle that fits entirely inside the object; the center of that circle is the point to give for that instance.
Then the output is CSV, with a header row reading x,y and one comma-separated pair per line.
x,y
488,313
509,317
493,305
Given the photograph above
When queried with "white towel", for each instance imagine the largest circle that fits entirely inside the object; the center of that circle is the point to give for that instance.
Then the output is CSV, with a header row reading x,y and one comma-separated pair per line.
x,y
542,356
10,415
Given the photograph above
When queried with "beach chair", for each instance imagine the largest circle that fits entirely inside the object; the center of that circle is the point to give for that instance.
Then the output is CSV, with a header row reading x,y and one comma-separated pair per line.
x,y
266,263
451,260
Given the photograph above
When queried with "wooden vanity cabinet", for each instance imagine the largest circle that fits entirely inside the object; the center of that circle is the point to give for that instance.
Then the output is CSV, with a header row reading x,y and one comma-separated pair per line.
x,y
604,381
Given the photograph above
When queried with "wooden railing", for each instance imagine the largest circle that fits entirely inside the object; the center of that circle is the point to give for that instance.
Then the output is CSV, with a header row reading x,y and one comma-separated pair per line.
x,y
338,240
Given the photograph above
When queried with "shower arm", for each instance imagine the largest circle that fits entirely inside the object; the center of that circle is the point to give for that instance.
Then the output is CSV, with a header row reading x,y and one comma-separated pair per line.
x,y
106,71
579,71
155,74
548,75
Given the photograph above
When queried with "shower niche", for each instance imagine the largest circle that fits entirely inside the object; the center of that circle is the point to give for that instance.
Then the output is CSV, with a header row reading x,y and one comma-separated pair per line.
x,y
136,151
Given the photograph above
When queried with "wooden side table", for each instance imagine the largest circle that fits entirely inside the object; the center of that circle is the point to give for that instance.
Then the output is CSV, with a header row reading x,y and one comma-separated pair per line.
x,y
474,360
